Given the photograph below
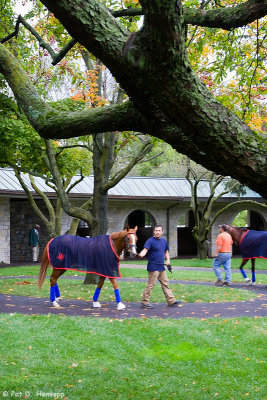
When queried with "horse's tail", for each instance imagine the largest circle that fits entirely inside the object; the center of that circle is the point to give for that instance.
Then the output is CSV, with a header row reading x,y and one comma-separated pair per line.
x,y
43,269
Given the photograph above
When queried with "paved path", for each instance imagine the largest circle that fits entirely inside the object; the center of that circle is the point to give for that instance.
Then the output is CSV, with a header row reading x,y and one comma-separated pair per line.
x,y
31,305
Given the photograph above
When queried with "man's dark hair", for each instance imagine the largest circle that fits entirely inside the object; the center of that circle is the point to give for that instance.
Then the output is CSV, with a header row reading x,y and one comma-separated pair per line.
x,y
158,226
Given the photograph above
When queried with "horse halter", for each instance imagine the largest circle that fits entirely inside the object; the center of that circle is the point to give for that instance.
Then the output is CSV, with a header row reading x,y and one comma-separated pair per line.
x,y
129,246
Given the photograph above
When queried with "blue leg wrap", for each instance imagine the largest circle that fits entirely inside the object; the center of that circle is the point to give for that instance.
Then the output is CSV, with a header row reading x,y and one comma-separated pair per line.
x,y
243,273
57,292
96,294
52,293
253,276
117,295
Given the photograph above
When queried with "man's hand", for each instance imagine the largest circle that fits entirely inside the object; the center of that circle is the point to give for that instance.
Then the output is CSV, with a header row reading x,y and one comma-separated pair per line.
x,y
169,268
142,253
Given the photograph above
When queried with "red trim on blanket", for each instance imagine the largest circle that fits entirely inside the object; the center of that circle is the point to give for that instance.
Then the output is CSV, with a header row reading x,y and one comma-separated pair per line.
x,y
48,251
89,272
118,258
249,258
243,238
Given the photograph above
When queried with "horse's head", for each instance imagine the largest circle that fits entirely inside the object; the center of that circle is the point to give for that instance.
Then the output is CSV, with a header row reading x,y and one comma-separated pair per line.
x,y
236,233
130,241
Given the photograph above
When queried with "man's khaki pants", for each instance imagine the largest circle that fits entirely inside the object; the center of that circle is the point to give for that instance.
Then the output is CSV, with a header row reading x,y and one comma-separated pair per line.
x,y
164,281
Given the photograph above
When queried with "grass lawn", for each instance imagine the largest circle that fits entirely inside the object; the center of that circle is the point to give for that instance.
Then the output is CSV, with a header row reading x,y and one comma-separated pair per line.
x,y
93,359
261,263
138,273
187,275
130,291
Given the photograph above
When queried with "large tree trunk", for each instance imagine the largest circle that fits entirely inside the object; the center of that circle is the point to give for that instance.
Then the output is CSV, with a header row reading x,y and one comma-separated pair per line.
x,y
201,250
103,149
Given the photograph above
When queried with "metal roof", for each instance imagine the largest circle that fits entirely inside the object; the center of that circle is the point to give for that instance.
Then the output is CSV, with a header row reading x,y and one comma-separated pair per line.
x,y
129,187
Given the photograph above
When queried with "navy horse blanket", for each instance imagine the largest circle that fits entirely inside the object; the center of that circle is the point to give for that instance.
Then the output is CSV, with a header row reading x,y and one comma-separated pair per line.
x,y
91,255
254,244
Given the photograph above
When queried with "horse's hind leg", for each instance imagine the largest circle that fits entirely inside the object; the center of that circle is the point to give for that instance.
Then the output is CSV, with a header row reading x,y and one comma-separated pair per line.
x,y
54,289
253,271
101,281
244,261
120,305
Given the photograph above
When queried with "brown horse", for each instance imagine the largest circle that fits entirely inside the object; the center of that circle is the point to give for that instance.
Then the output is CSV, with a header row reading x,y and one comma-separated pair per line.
x,y
70,254
252,245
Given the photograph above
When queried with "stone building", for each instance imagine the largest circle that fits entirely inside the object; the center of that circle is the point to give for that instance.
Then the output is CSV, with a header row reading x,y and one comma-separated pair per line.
x,y
141,201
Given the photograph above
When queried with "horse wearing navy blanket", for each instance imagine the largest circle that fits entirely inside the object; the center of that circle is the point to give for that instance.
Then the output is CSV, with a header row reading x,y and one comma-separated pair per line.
x,y
99,255
252,244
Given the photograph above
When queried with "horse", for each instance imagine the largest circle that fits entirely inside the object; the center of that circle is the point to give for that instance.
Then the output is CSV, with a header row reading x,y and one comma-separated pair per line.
x,y
252,244
99,255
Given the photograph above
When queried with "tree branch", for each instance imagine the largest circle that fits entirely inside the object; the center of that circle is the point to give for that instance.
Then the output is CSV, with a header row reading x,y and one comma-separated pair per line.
x,y
95,20
225,18
229,17
127,12
73,211
56,57
147,147
33,204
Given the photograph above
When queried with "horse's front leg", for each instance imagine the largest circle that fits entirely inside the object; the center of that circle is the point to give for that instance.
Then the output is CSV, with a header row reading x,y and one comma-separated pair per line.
x,y
54,289
120,305
101,281
244,261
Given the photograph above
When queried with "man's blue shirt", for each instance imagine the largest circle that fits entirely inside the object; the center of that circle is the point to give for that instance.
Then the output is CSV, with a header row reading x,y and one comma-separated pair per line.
x,y
156,250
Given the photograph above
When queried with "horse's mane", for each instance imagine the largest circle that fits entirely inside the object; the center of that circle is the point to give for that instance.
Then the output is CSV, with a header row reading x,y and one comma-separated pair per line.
x,y
242,228
118,235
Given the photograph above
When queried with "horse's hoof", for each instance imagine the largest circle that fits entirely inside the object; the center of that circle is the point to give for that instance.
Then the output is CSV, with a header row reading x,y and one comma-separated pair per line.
x,y
121,306
96,304
247,280
58,298
253,283
55,304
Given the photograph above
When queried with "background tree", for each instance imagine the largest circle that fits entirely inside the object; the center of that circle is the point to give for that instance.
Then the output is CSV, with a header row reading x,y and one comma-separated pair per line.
x,y
22,149
202,211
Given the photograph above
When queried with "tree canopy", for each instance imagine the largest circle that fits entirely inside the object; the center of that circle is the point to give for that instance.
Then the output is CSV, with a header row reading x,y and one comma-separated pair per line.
x,y
166,96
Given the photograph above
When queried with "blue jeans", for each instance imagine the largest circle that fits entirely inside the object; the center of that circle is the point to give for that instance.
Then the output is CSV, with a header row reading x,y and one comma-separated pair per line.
x,y
223,259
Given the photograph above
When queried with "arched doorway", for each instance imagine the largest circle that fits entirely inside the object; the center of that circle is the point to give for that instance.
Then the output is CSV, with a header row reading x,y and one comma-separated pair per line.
x,y
145,222
186,243
256,221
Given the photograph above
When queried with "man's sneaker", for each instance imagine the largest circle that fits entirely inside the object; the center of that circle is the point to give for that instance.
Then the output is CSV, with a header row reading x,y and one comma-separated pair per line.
x,y
176,303
218,283
227,283
148,305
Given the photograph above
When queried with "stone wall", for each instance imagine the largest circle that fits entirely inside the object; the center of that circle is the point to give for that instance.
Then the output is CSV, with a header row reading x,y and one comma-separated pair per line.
x,y
22,219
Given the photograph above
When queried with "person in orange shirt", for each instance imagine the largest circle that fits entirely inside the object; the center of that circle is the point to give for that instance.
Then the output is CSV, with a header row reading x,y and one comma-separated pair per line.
x,y
223,256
